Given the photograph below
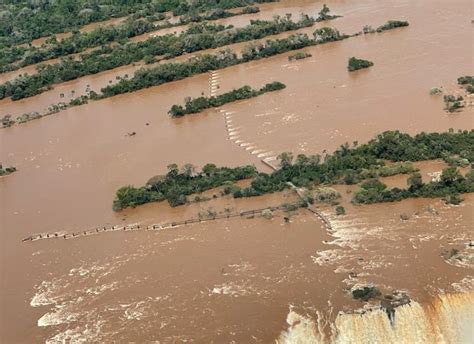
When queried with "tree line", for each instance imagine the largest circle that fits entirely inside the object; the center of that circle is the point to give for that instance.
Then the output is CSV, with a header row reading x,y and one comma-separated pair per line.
x,y
201,103
347,165
164,73
120,33
198,37
22,21
168,72
178,183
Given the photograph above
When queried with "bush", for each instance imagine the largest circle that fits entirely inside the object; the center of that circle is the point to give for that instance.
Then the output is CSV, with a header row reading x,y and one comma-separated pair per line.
x,y
466,80
356,64
326,194
435,91
267,213
454,199
340,210
392,24
327,34
7,170
250,9
7,121
299,56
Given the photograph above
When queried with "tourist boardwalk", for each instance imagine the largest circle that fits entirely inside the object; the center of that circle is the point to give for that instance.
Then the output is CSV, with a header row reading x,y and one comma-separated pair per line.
x,y
152,227
311,207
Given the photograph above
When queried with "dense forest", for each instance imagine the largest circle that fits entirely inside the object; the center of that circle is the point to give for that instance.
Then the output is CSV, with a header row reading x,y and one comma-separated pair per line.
x,y
201,103
347,165
22,21
197,37
78,42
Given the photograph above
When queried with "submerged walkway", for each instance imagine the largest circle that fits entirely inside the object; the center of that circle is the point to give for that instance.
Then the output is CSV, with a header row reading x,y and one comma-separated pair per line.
x,y
153,227
311,207
268,158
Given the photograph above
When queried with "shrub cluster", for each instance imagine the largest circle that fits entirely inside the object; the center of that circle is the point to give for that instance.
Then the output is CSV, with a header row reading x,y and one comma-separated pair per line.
x,y
6,170
392,24
453,103
467,82
452,183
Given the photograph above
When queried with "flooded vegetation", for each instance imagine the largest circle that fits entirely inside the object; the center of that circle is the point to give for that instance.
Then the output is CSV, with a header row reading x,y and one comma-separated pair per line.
x,y
337,209
202,103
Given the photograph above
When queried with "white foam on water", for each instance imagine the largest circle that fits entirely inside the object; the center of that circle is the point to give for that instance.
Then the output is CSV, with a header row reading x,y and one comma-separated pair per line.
x,y
61,315
257,151
266,154
301,330
448,319
44,294
92,333
232,289
464,285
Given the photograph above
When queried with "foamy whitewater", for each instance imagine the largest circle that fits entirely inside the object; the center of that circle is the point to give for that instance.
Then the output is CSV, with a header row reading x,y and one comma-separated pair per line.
x,y
448,319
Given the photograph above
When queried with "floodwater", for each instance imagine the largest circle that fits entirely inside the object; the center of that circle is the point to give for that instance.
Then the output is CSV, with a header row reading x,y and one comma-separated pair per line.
x,y
239,279
86,28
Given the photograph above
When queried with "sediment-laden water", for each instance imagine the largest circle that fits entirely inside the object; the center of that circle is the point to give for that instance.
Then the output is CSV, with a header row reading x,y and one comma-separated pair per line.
x,y
242,279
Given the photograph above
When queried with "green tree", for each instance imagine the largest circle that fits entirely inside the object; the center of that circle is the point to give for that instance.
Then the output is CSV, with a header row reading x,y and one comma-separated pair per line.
x,y
415,181
286,159
450,175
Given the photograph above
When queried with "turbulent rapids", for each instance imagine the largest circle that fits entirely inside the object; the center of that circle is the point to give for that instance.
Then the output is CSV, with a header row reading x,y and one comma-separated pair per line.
x,y
446,319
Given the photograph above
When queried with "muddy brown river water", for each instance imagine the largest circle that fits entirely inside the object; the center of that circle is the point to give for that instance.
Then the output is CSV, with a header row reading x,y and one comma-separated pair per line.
x,y
242,280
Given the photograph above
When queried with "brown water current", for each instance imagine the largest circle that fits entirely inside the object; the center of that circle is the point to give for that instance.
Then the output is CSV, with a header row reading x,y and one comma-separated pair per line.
x,y
241,279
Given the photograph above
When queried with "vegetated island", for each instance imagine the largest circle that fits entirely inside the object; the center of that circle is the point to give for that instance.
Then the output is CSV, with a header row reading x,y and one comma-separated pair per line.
x,y
455,103
205,36
467,82
196,38
23,21
168,72
348,165
16,57
156,76
5,171
202,103
356,64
